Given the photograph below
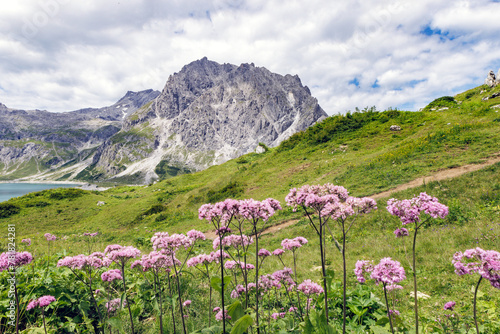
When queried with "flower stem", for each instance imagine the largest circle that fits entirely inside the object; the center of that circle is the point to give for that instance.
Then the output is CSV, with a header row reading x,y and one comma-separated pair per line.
x,y
126,298
415,279
43,317
475,297
388,310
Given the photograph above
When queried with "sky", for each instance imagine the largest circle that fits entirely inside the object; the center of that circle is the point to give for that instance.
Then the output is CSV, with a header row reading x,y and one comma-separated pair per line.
x,y
62,55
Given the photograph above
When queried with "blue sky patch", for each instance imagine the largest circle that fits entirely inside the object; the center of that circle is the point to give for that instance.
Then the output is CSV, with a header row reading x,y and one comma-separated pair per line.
x,y
354,82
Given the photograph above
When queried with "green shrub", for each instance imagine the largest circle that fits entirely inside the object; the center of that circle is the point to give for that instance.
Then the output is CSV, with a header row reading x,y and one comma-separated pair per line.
x,y
8,209
59,194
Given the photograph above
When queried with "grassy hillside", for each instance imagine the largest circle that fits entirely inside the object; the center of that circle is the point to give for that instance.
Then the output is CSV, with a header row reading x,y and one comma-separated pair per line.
x,y
357,151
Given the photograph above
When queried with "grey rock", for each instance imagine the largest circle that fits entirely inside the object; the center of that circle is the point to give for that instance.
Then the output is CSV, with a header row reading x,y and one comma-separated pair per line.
x,y
491,80
395,128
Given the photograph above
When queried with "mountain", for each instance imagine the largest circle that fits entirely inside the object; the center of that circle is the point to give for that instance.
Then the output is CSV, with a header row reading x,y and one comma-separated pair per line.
x,y
45,145
207,114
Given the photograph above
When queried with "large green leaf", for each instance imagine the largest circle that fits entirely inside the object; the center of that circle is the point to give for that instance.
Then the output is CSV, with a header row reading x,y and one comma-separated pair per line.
x,y
235,310
242,324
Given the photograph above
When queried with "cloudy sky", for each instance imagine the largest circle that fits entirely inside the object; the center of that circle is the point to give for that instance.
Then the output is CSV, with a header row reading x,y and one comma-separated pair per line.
x,y
63,55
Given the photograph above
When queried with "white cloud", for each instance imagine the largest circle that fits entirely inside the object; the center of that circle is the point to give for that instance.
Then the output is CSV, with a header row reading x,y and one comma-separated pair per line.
x,y
63,55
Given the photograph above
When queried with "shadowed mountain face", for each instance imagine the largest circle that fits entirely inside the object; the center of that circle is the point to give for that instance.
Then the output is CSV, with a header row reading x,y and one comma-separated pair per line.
x,y
206,114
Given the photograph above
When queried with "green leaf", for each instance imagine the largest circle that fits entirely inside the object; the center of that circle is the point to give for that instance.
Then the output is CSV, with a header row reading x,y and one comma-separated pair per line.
x,y
235,310
216,329
115,323
215,283
242,324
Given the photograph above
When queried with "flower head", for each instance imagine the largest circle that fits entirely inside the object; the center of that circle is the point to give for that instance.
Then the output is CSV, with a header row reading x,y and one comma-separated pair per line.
x,y
41,302
449,305
308,287
26,241
50,237
401,232
111,275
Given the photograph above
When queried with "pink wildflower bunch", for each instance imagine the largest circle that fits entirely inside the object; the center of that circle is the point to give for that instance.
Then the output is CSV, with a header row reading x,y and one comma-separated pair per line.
x,y
477,260
235,264
233,240
121,254
114,304
267,282
409,210
81,261
449,305
222,212
49,237
264,253
156,261
388,271
216,255
187,303
253,210
40,302
350,207
11,260
277,316
91,235
401,232
293,244
196,235
202,259
309,288
284,276
278,252
111,275
170,244
316,196
26,241
219,316
362,267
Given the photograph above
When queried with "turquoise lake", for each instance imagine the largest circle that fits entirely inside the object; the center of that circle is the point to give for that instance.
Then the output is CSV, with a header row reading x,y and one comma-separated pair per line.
x,y
9,190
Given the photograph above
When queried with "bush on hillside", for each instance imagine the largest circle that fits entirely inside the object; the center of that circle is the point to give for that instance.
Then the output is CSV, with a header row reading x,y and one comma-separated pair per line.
x,y
8,209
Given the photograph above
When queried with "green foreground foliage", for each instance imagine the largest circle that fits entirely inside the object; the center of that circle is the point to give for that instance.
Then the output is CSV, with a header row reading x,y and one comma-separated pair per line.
x,y
357,151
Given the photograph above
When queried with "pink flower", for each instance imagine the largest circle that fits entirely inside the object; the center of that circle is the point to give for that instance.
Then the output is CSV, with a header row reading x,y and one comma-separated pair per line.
x,y
278,315
50,237
83,261
26,241
264,252
485,263
388,271
88,234
111,275
219,315
363,266
449,305
394,312
308,287
195,235
401,232
187,303
409,210
114,304
121,255
41,302
278,252
11,260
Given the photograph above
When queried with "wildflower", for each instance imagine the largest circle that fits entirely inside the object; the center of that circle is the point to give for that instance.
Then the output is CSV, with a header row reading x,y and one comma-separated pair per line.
x,y
264,253
394,312
388,271
220,317
50,237
449,306
41,302
363,266
26,241
11,260
187,303
308,287
401,232
278,252
115,304
111,275
278,315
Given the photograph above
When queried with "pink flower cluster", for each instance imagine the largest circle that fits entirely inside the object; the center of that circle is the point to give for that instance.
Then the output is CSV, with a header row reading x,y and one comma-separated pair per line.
x,y
388,271
233,240
449,306
276,316
409,210
219,315
114,304
293,244
121,254
485,263
26,241
50,237
249,209
40,302
308,288
87,234
401,232
11,260
205,259
111,275
169,244
233,264
81,261
155,261
187,303
264,252
284,276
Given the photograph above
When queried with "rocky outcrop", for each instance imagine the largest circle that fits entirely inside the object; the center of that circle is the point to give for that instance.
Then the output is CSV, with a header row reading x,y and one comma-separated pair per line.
x,y
209,113
491,80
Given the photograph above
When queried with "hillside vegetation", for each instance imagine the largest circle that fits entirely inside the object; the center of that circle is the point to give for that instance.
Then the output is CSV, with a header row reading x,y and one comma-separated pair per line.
x,y
356,150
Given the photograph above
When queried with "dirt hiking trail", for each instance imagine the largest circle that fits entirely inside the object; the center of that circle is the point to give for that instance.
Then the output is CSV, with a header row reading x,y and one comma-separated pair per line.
x,y
437,176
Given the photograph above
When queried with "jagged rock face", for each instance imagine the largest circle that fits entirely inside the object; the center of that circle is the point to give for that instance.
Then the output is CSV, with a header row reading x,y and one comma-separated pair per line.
x,y
209,113
491,79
